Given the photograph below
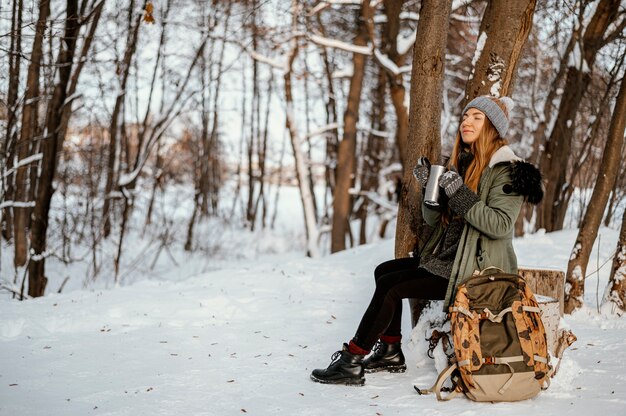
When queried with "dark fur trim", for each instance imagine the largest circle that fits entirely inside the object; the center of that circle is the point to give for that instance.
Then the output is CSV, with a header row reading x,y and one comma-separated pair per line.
x,y
526,180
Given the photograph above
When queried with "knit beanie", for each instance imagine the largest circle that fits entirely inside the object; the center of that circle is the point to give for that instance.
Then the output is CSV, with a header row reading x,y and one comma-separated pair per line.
x,y
494,113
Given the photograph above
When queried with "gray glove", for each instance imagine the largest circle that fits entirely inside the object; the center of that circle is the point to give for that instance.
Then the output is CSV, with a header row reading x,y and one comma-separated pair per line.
x,y
451,182
421,171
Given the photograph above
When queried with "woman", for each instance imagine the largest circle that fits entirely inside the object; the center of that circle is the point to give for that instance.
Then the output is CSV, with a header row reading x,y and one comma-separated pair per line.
x,y
483,191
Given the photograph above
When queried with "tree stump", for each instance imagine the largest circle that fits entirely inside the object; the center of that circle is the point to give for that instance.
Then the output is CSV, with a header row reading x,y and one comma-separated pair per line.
x,y
550,317
546,282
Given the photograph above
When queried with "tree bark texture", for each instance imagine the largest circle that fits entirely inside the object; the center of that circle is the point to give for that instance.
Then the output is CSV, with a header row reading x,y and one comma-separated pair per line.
x,y
346,158
7,148
607,175
49,145
546,282
506,26
554,159
28,133
424,118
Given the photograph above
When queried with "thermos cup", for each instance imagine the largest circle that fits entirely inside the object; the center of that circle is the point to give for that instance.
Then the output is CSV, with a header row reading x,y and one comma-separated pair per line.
x,y
431,196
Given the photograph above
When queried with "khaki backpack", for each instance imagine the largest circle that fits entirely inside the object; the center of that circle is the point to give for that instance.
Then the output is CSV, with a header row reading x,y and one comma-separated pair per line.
x,y
500,346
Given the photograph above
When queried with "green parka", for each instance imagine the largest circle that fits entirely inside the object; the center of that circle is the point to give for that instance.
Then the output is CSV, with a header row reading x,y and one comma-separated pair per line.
x,y
487,236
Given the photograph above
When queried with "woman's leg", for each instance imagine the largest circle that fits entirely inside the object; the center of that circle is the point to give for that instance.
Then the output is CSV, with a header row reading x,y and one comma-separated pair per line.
x,y
391,288
405,265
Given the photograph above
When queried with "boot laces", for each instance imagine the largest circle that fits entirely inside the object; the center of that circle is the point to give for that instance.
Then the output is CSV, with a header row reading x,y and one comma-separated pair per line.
x,y
378,347
336,355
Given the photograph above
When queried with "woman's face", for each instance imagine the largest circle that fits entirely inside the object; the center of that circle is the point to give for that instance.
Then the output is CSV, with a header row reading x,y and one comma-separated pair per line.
x,y
472,124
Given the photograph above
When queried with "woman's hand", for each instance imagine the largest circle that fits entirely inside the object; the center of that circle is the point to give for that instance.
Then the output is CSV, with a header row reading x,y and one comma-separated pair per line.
x,y
451,182
421,171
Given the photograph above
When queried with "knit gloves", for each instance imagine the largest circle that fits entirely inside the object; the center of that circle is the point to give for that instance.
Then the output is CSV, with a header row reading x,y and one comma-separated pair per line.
x,y
451,182
461,197
421,171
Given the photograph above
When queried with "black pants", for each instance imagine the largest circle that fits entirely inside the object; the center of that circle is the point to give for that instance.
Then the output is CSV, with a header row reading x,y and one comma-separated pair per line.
x,y
395,280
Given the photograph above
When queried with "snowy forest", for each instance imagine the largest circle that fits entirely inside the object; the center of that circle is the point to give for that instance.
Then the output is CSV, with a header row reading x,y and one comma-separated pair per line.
x,y
221,145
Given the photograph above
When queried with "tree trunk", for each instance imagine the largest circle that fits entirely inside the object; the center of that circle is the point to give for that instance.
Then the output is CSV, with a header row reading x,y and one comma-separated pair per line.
x,y
611,157
253,140
310,221
554,159
7,150
28,132
346,159
50,145
124,69
546,119
615,293
373,153
396,82
424,118
424,138
332,139
503,32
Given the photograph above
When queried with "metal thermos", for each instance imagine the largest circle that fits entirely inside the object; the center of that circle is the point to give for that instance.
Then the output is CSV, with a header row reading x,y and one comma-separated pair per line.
x,y
431,196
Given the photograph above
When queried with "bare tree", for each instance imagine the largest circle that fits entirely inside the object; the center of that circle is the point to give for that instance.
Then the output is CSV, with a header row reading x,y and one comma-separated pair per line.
x,y
310,219
554,160
28,135
50,145
123,70
575,279
503,33
7,152
346,158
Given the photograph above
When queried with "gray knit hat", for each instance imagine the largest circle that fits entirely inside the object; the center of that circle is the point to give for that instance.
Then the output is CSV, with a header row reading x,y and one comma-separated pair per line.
x,y
494,113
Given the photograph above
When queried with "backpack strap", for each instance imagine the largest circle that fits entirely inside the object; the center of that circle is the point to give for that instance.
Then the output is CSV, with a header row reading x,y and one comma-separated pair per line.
x,y
482,272
437,388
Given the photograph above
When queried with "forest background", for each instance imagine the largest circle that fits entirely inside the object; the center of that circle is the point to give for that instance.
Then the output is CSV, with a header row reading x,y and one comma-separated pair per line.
x,y
175,125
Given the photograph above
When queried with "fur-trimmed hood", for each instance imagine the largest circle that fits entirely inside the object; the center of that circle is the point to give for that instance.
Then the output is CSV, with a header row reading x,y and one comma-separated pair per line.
x,y
526,178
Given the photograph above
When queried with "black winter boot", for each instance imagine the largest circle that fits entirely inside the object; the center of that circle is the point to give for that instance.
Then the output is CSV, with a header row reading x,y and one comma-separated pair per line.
x,y
386,357
345,368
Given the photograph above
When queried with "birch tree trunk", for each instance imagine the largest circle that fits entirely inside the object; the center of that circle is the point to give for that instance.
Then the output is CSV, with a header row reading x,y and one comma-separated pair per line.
x,y
577,266
50,145
554,160
503,32
346,158
310,221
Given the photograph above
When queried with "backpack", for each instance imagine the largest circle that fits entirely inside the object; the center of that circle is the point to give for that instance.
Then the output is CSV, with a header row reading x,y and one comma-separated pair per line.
x,y
500,348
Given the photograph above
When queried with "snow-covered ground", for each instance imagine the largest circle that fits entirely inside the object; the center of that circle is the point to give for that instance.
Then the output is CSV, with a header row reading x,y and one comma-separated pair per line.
x,y
243,340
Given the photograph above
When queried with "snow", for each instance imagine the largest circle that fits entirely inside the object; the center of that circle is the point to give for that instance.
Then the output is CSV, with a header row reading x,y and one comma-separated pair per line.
x,y
23,162
334,43
480,44
404,43
244,339
17,204
577,60
345,72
